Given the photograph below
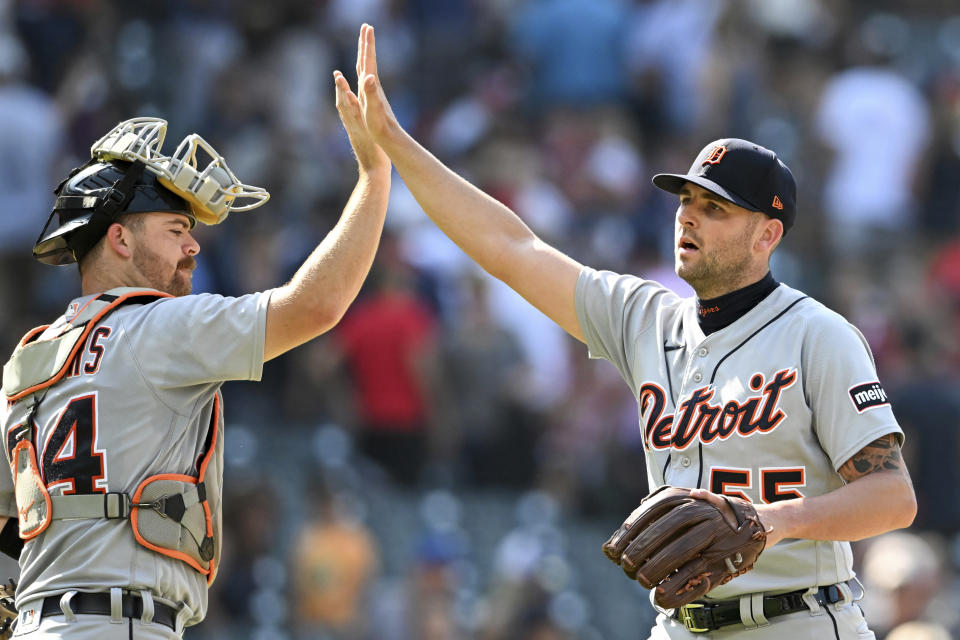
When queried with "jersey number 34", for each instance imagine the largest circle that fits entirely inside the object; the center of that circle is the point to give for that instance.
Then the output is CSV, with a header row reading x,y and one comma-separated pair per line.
x,y
70,458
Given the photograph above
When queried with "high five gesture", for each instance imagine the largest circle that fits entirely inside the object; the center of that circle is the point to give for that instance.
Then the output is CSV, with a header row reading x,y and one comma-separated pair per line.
x,y
352,108
485,229
750,390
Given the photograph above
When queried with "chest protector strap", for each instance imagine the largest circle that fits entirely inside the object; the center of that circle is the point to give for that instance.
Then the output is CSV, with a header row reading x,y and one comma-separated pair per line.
x,y
169,513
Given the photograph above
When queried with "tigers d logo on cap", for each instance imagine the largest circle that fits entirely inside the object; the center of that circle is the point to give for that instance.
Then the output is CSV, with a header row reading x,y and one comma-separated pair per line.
x,y
716,155
749,176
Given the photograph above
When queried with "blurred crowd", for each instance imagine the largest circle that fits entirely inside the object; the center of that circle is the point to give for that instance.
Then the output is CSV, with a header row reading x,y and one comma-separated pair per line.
x,y
446,463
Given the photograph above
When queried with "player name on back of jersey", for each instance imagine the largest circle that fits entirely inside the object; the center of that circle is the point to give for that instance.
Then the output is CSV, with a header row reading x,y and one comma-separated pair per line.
x,y
88,360
868,395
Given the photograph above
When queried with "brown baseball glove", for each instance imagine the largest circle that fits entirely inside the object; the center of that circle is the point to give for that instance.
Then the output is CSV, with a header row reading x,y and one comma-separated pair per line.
x,y
8,610
684,547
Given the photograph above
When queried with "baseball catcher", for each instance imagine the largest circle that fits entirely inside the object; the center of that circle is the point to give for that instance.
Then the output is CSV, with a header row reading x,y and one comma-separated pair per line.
x,y
684,546
113,425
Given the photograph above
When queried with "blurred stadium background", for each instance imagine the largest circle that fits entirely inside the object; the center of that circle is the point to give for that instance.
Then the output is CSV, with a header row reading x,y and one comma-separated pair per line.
x,y
446,463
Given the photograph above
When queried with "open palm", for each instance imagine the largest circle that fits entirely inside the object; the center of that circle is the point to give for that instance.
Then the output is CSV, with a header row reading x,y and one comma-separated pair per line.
x,y
353,108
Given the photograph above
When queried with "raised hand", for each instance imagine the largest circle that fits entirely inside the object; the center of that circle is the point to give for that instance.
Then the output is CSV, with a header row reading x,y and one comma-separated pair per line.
x,y
377,114
351,109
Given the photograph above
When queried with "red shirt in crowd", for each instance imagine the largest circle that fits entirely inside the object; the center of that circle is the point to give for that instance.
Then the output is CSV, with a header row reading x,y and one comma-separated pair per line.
x,y
382,338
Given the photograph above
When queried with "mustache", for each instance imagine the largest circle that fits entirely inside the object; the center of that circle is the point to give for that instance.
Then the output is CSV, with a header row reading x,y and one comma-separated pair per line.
x,y
188,263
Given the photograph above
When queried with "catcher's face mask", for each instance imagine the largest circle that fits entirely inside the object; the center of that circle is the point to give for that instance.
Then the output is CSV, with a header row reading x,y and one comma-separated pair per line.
x,y
195,171
128,174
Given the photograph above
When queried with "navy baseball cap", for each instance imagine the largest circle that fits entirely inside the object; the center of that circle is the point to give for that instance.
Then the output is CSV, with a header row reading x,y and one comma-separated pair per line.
x,y
744,173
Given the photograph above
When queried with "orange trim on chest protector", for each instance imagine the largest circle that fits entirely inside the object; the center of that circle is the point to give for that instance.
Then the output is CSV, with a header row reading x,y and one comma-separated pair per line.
x,y
88,327
210,571
34,475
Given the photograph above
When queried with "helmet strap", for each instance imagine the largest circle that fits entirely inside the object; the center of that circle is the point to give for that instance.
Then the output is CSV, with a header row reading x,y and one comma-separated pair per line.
x,y
111,204
120,192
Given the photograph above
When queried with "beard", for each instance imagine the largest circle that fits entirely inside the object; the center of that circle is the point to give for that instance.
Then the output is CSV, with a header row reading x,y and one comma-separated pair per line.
x,y
153,269
718,269
711,271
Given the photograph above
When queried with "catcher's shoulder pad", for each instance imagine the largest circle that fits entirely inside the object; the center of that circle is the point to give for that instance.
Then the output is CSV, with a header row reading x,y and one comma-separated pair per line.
x,y
44,355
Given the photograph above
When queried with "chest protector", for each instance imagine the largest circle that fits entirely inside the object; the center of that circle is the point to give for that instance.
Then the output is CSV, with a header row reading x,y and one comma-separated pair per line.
x,y
169,513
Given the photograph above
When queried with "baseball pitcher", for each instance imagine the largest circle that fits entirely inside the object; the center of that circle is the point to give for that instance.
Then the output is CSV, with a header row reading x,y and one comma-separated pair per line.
x,y
113,427
768,435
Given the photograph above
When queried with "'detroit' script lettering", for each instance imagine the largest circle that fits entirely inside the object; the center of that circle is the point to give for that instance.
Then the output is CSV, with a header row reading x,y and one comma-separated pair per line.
x,y
703,420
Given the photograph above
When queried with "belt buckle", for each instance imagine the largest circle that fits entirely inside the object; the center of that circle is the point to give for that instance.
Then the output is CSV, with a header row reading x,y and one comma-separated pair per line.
x,y
687,619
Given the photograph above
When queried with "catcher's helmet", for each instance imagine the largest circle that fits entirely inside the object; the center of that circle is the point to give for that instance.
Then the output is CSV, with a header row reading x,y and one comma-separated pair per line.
x,y
128,174
92,198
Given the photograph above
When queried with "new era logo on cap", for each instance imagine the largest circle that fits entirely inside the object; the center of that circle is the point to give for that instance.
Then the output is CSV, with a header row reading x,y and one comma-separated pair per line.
x,y
776,203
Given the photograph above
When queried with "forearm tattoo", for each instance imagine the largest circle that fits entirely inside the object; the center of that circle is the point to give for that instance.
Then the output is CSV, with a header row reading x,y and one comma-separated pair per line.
x,y
883,454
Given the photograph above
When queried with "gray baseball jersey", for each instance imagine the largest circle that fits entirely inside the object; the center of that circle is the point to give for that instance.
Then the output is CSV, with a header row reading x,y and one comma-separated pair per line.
x,y
137,402
768,408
